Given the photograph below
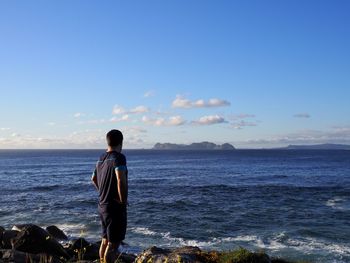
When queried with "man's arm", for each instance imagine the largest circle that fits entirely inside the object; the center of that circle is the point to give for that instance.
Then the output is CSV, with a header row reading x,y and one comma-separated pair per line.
x,y
122,185
94,180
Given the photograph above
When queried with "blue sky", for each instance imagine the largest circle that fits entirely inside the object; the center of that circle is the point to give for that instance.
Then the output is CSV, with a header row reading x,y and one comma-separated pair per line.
x,y
252,73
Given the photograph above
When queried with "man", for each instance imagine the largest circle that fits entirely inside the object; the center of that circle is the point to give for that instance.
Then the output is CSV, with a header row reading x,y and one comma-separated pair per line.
x,y
111,180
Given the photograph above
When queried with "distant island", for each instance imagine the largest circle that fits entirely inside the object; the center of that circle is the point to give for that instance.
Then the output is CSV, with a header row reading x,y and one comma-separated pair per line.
x,y
193,146
325,146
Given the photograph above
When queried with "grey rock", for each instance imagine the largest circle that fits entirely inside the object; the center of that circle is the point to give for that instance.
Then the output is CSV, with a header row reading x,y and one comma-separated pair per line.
x,y
56,233
159,255
79,243
35,240
15,256
6,238
80,249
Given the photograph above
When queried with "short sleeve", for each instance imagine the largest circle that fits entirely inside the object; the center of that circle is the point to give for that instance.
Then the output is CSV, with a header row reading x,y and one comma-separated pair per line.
x,y
120,163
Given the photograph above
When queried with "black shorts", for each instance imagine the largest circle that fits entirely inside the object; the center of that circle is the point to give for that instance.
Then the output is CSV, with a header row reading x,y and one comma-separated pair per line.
x,y
113,221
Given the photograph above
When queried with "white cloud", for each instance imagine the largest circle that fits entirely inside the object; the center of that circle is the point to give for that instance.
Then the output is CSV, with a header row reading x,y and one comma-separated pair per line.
x,y
78,115
176,120
94,121
217,103
139,109
241,116
182,102
209,120
153,121
125,117
302,115
149,93
171,121
51,123
120,110
5,129
335,135
241,124
133,129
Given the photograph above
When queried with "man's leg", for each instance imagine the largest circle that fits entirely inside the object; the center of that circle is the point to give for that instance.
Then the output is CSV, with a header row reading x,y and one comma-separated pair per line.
x,y
103,247
110,254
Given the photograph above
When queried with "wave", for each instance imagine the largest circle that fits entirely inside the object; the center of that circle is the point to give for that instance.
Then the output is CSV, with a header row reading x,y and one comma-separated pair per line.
x,y
276,243
44,187
338,203
74,230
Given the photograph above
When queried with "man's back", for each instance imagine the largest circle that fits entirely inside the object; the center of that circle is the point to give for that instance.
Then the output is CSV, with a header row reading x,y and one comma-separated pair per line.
x,y
106,176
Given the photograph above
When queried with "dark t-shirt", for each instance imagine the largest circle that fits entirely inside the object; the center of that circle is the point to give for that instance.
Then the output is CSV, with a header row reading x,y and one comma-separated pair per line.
x,y
106,176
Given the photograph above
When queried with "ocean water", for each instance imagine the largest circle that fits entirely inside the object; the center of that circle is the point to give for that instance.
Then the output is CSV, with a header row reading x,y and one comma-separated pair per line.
x,y
293,204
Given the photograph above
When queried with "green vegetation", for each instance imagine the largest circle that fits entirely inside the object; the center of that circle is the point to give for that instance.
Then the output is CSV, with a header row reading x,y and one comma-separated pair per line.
x,y
240,255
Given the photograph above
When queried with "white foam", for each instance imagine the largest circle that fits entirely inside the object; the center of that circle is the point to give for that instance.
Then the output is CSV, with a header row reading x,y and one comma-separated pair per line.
x,y
143,230
338,203
277,242
170,240
77,230
312,245
240,238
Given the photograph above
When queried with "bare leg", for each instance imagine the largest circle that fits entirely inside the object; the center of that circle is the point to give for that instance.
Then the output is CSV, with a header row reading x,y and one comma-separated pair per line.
x,y
103,247
110,253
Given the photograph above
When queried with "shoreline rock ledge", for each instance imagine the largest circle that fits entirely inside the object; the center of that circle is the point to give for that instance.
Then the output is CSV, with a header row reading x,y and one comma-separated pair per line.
x,y
33,244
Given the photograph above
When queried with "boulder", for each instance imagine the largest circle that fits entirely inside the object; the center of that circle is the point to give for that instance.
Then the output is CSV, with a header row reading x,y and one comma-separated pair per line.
x,y
19,227
56,233
15,256
7,237
33,239
159,255
1,232
79,243
80,249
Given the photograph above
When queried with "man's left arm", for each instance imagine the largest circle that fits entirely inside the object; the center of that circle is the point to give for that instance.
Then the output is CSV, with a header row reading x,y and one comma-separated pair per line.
x,y
94,179
122,185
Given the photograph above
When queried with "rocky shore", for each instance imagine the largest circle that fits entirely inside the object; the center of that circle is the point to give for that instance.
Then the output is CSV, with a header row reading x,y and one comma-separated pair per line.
x,y
31,243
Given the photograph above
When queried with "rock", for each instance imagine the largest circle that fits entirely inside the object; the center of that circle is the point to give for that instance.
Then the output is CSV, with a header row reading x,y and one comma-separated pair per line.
x,y
124,258
159,255
80,243
127,258
33,239
243,255
81,249
19,227
56,233
6,238
15,256
1,233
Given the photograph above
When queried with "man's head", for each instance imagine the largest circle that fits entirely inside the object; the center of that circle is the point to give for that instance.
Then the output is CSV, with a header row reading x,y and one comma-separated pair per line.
x,y
114,138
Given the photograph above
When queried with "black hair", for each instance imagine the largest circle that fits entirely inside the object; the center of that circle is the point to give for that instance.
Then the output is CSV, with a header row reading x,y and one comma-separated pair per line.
x,y
114,138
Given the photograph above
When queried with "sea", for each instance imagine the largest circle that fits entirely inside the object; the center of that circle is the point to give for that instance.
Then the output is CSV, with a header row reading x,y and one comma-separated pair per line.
x,y
293,204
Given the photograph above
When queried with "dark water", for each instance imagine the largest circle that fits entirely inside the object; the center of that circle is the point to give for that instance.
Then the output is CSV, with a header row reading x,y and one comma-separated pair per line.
x,y
294,204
